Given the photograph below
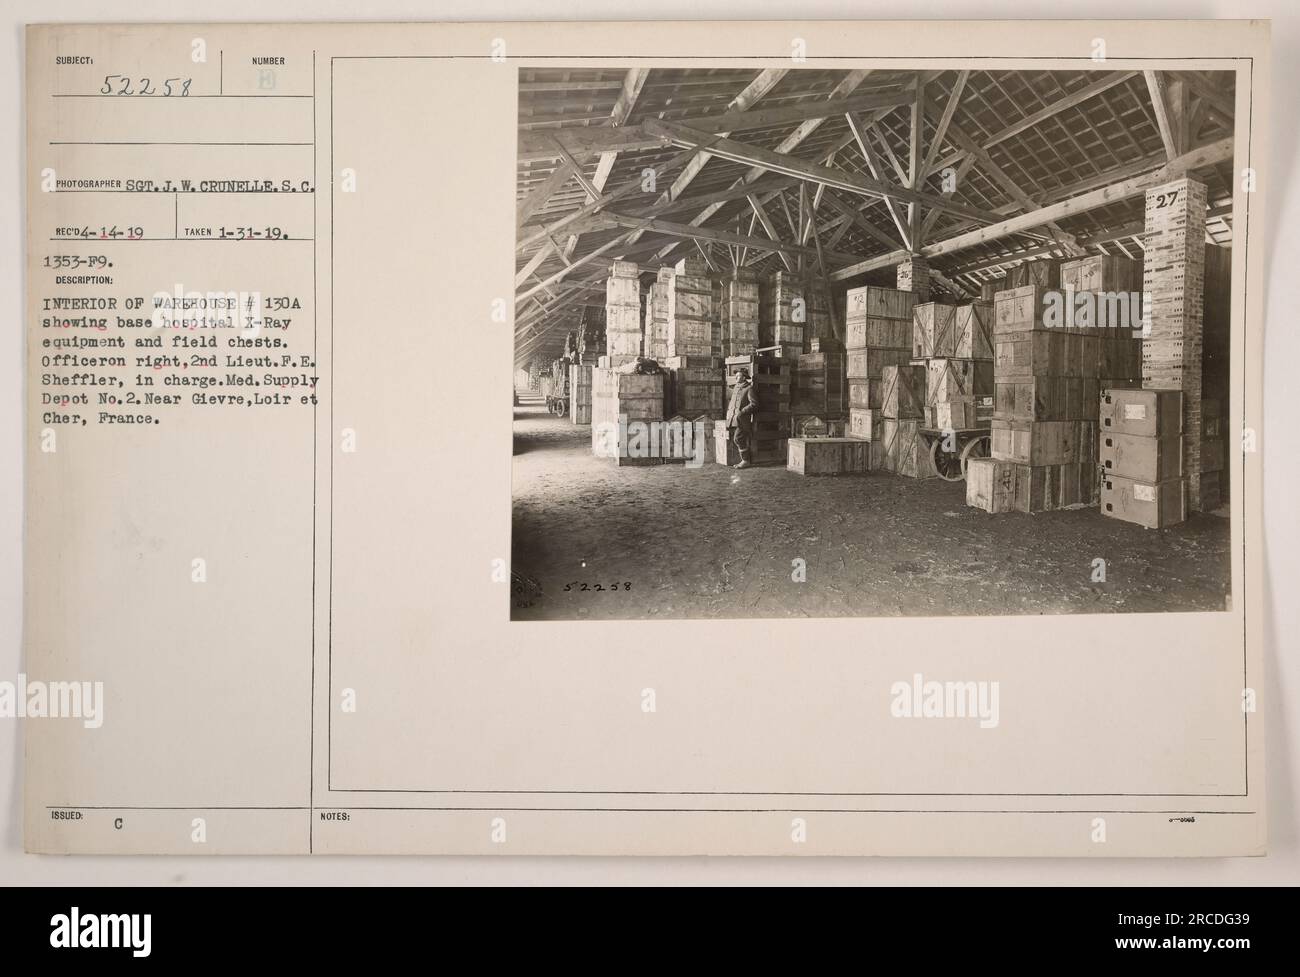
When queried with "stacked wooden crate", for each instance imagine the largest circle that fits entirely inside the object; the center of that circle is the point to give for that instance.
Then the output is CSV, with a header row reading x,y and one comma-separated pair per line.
x,y
690,310
904,449
656,315
739,314
771,376
878,333
591,335
696,385
829,456
1044,272
819,326
955,344
1143,479
783,313
1044,429
580,393
1112,285
616,396
821,389
622,314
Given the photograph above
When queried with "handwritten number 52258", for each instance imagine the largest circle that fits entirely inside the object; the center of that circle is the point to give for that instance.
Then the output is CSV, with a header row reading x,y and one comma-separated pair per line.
x,y
122,85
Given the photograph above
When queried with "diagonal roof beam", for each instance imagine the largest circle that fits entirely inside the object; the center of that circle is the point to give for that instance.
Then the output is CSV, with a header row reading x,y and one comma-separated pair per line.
x,y
1026,203
730,122
932,218
1158,89
769,228
692,232
760,85
855,218
1207,155
941,129
633,82
847,85
543,192
809,172
914,149
605,199
874,167
564,272
1219,100
1215,152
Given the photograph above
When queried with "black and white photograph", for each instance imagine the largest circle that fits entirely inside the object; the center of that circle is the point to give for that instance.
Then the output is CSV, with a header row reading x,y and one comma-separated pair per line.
x,y
802,342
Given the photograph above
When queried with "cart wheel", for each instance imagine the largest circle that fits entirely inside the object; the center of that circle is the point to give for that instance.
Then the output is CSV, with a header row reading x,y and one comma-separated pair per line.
x,y
976,448
947,464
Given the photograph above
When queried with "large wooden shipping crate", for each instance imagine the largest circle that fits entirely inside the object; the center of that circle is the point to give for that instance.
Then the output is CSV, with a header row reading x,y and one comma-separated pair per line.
x,y
865,393
934,330
879,302
1045,273
829,456
690,316
973,330
903,391
623,314
656,319
580,394
1146,413
616,395
820,325
821,386
869,363
783,310
866,423
696,386
1044,442
904,451
739,316
1154,505
1046,353
1102,273
870,331
1017,310
1120,359
1045,398
1007,486
953,379
958,414
1141,458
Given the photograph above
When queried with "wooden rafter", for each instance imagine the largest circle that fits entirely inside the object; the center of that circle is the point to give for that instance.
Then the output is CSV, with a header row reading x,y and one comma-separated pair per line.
x,y
846,86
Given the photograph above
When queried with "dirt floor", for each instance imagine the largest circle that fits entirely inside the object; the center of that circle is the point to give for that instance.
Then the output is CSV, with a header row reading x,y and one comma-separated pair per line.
x,y
592,540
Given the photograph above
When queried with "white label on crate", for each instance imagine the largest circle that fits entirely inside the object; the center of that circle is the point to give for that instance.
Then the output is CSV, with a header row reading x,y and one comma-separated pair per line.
x,y
1144,493
1135,412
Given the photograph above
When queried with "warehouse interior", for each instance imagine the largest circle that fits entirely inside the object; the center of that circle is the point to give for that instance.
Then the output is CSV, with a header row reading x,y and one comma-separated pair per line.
x,y
885,255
